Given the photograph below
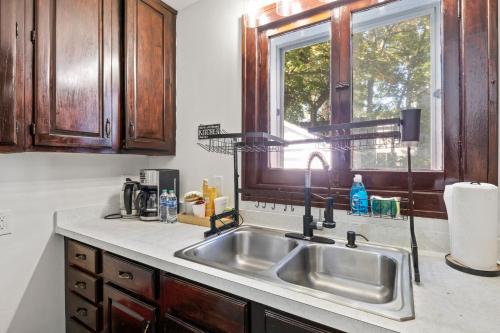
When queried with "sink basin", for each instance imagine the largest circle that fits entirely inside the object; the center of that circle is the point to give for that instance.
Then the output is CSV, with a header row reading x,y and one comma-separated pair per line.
x,y
246,249
358,275
371,278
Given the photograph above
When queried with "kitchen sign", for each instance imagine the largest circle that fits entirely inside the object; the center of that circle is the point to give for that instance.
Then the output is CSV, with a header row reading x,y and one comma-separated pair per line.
x,y
204,131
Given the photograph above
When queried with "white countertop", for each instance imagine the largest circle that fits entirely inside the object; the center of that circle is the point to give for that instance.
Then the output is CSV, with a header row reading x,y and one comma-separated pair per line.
x,y
445,301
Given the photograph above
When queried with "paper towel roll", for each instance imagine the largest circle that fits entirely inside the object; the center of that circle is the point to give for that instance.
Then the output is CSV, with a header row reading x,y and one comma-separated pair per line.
x,y
473,220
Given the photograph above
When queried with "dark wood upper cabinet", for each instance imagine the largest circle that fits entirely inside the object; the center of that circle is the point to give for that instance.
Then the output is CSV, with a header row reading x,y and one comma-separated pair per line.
x,y
10,106
72,79
149,76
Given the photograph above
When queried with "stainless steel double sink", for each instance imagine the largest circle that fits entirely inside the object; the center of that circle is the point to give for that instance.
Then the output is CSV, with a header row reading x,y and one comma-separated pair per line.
x,y
371,278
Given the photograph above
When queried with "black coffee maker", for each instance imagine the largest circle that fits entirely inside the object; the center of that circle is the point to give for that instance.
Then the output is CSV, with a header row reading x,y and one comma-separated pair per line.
x,y
128,199
153,181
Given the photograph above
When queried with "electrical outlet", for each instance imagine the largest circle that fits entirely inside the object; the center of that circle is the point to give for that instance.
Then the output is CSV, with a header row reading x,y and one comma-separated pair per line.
x,y
4,223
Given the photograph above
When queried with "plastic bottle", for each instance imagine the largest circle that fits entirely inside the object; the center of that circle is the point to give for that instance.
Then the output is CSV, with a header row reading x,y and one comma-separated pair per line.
x,y
172,207
359,196
163,206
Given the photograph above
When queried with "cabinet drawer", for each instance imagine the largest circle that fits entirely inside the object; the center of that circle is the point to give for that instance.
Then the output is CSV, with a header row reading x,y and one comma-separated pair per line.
x,y
74,327
84,284
207,309
175,325
277,323
83,256
137,278
84,311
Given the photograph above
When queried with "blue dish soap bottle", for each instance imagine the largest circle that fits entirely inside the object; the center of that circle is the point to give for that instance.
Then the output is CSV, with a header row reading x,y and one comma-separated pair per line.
x,y
359,197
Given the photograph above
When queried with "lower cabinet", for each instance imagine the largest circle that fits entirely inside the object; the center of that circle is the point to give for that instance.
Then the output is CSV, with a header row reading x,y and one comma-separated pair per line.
x,y
125,314
198,309
106,293
278,323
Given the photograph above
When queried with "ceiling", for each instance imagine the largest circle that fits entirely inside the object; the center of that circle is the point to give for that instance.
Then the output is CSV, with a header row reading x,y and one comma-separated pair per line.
x,y
179,4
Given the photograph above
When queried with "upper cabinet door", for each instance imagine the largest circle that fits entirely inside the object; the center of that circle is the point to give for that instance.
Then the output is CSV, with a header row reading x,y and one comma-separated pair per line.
x,y
9,110
73,97
150,76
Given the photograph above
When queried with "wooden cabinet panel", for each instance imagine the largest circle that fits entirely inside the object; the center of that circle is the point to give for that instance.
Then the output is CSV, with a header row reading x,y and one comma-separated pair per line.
x,y
83,311
124,314
83,256
207,309
10,111
137,278
150,76
277,323
72,326
84,285
172,324
73,97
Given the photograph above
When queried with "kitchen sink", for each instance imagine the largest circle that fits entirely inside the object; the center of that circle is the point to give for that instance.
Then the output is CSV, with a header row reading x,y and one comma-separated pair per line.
x,y
246,249
371,278
358,275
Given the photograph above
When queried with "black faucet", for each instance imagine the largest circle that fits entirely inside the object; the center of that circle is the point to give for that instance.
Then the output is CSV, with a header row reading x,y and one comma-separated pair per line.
x,y
309,225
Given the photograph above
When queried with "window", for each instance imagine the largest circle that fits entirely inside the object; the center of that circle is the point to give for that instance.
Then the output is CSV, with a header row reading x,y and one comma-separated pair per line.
x,y
375,58
299,90
396,57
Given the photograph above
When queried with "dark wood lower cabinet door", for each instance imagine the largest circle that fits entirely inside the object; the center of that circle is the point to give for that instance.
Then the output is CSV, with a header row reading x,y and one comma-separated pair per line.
x,y
207,309
277,323
125,314
172,324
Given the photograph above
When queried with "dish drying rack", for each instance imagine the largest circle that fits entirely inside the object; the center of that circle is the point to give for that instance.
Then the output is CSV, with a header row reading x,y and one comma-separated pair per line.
x,y
362,135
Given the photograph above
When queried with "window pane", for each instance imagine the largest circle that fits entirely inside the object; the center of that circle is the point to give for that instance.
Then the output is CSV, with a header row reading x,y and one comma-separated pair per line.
x,y
302,91
396,65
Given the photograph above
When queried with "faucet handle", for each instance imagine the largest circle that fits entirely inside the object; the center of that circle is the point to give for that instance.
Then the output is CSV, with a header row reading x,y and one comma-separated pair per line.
x,y
318,225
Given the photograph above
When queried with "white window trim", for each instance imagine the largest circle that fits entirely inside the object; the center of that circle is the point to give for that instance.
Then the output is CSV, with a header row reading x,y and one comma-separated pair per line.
x,y
278,46
404,10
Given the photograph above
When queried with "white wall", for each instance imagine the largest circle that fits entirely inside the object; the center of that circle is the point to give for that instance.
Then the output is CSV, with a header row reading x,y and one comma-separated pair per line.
x,y
32,187
208,87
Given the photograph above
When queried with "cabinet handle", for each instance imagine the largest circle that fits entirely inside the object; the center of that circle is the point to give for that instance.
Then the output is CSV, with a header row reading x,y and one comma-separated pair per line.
x,y
108,128
80,285
125,275
147,326
80,256
131,129
82,312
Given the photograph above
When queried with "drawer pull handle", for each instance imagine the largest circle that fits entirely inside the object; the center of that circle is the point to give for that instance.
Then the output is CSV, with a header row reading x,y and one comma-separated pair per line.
x,y
147,326
82,312
80,285
125,276
80,256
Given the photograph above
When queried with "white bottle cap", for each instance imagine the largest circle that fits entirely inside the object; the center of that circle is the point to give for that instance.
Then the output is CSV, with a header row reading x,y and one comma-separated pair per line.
x,y
358,178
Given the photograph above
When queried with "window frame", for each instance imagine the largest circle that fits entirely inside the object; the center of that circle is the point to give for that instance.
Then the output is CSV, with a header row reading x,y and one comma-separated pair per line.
x,y
469,153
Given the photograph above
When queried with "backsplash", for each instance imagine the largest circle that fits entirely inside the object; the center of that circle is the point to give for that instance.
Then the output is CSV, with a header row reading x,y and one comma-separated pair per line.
x,y
432,234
